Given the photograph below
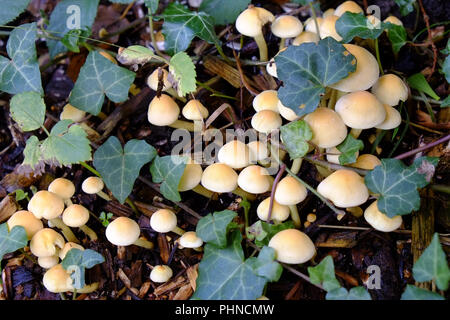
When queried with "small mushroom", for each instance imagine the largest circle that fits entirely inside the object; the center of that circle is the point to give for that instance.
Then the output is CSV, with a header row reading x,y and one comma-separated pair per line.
x,y
292,246
165,220
290,192
58,280
77,216
161,273
328,28
254,179
279,212
393,20
26,220
305,37
94,185
124,232
286,112
46,243
67,247
194,110
266,100
191,240
348,6
48,262
327,127
71,113
380,221
219,177
392,120
258,152
235,154
390,89
164,111
265,121
285,27
64,188
366,161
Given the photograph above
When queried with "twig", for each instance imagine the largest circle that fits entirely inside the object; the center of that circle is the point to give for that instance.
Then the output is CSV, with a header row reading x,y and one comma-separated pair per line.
x,y
425,147
274,187
244,81
334,166
430,38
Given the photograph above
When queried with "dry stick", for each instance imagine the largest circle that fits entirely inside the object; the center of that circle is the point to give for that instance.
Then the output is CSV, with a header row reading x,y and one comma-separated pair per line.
x,y
274,187
244,81
430,38
425,147
334,166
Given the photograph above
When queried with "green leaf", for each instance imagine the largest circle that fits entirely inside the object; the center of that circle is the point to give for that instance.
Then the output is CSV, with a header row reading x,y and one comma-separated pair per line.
x,y
81,260
152,5
135,55
446,68
20,194
307,69
65,16
265,265
98,77
323,274
183,71
222,12
356,293
446,50
417,81
168,171
119,167
397,36
11,9
13,240
351,25
213,227
349,149
21,73
181,25
72,38
415,293
397,184
295,136
28,110
32,152
432,265
446,102
406,6
262,231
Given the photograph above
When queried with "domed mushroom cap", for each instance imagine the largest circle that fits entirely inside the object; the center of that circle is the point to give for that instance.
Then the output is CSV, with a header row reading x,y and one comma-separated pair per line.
x,y
92,185
365,75
305,37
349,6
251,20
122,231
195,110
287,26
360,110
57,279
27,220
286,112
67,247
48,262
279,212
366,161
190,240
265,121
327,126
71,113
290,192
393,20
392,120
163,111
152,80
219,177
75,216
235,154
310,25
46,204
163,220
379,221
46,242
292,246
161,273
328,12
258,151
390,89
328,28
254,179
191,176
62,187
266,100
344,188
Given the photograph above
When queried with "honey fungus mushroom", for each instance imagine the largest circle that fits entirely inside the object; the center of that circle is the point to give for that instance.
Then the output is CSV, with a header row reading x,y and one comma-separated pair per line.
x,y
292,246
27,220
124,232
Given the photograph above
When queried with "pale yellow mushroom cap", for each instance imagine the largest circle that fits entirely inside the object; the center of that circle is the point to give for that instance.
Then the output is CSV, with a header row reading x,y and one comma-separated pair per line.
x,y
190,240
92,185
152,80
279,212
219,177
163,111
392,120
310,25
67,247
390,89
271,68
349,6
292,246
327,126
163,220
265,121
393,20
333,155
286,26
365,75
46,204
71,113
266,100
379,221
328,28
122,231
46,242
75,216
161,273
374,21
62,187
366,161
286,112
195,110
251,20
254,179
258,151
305,37
27,220
344,188
290,192
191,176
48,262
57,279
235,153
328,12
360,110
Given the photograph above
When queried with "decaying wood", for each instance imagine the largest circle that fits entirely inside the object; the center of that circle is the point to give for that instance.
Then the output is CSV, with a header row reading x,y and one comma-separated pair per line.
x,y
175,284
7,208
184,293
144,289
164,251
126,281
146,208
192,274
338,240
224,70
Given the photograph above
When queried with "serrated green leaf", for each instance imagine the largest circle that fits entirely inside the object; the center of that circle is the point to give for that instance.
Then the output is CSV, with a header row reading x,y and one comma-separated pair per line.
x,y
295,136
396,35
213,227
99,77
168,171
323,274
222,12
356,293
21,73
397,184
349,149
32,152
12,240
432,265
135,55
417,81
11,9
406,6
351,25
183,71
80,260
265,265
152,5
64,16
262,231
307,69
119,167
414,293
28,110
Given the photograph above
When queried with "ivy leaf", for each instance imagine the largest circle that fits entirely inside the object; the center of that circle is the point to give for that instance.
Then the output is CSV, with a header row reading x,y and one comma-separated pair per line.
x,y
152,5
13,240
32,152
119,167
21,73
262,231
349,149
355,293
323,274
417,81
78,261
181,25
432,265
397,184
351,25
98,77
307,69
182,69
135,55
406,6
213,227
397,36
415,293
168,171
28,110
67,14
222,12
295,136
11,9
265,265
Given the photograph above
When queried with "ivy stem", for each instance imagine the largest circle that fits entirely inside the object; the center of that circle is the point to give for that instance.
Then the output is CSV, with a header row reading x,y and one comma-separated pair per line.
x,y
274,188
334,166
68,234
262,46
377,53
313,12
425,147
296,165
152,36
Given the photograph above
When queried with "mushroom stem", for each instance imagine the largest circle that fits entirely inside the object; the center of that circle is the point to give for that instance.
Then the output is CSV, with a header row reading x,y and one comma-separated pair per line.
x,y
175,95
201,190
178,231
244,194
262,46
296,165
88,288
104,196
68,202
180,124
89,232
355,133
143,243
294,216
282,43
68,234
